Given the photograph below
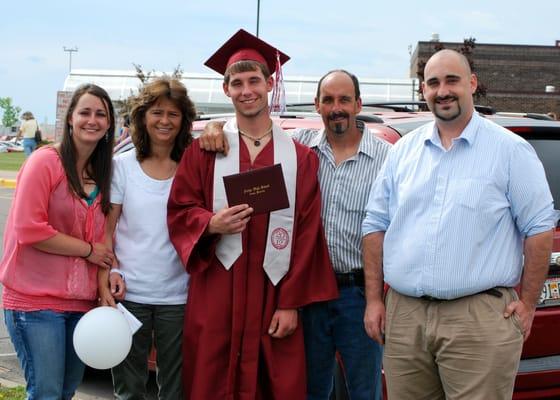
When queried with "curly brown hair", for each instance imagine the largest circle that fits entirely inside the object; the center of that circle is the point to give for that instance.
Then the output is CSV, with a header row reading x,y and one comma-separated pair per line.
x,y
173,90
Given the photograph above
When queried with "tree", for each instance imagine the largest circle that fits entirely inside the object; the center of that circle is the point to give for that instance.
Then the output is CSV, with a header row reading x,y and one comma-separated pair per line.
x,y
467,50
124,106
11,112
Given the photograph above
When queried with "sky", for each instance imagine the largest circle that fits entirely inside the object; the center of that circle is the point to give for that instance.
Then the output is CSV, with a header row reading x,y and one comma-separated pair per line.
x,y
370,38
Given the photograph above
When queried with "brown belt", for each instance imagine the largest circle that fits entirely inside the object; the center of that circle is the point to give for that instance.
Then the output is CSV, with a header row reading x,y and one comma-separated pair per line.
x,y
492,292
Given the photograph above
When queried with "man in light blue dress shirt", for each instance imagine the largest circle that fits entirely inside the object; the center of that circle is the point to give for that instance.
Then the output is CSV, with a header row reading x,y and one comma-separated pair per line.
x,y
459,215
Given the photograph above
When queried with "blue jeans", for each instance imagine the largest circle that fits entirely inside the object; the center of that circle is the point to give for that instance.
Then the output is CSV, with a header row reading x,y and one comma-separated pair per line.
x,y
339,325
43,343
29,145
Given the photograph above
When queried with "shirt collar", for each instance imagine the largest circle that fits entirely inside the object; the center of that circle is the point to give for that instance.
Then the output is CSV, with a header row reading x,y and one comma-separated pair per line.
x,y
468,135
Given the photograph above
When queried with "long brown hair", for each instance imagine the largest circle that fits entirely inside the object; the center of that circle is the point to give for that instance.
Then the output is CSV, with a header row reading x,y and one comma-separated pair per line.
x,y
173,90
100,160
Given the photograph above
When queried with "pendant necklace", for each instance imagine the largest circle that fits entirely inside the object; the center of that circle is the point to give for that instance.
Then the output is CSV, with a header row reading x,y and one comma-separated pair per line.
x,y
256,141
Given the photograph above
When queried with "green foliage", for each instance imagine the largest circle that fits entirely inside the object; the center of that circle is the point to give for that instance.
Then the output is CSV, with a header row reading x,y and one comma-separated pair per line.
x,y
11,162
15,393
144,76
11,112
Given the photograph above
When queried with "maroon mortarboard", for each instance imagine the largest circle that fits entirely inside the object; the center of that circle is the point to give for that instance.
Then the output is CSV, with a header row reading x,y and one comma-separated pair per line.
x,y
241,47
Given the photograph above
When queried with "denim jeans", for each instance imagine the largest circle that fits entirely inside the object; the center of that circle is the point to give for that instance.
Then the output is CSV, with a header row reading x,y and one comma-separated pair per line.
x,y
339,325
43,343
163,323
29,145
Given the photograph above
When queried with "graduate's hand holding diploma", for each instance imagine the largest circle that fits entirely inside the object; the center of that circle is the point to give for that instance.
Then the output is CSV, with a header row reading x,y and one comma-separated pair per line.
x,y
230,220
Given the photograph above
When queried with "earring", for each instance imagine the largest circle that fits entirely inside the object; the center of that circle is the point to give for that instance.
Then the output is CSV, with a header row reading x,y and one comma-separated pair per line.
x,y
107,137
70,130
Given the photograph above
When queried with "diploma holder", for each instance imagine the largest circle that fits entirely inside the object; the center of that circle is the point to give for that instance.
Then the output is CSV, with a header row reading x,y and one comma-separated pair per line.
x,y
263,189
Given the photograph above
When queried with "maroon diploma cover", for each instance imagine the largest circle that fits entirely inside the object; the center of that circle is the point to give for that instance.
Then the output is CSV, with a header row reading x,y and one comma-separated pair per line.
x,y
263,189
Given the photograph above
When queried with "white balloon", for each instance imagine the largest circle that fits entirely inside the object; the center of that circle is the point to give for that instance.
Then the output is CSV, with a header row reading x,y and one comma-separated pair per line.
x,y
102,338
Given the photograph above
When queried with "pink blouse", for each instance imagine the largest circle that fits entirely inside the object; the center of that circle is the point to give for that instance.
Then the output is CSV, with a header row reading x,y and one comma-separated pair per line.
x,y
43,205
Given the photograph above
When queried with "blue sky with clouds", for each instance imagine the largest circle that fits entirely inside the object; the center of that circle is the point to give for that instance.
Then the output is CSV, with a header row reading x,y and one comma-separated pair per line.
x,y
370,38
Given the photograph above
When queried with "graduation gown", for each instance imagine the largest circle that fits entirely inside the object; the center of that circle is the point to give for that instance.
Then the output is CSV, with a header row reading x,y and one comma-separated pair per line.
x,y
227,351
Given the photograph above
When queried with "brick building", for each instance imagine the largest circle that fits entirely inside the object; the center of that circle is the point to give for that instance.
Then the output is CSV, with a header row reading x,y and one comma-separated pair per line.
x,y
518,78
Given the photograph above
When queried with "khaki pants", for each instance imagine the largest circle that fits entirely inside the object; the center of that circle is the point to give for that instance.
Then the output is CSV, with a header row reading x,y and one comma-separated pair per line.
x,y
459,349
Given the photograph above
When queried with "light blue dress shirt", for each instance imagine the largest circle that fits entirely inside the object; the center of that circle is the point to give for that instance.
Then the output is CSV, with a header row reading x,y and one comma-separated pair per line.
x,y
455,220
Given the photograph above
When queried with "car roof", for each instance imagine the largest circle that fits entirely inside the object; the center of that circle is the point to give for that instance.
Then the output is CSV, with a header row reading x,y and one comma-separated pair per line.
x,y
388,124
305,120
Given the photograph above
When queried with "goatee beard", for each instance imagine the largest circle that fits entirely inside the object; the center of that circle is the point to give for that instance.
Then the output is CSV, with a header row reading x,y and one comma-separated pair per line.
x,y
447,117
338,129
338,125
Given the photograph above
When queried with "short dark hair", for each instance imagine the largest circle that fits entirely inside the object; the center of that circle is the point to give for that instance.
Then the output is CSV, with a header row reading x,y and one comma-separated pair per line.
x,y
350,75
173,90
99,163
245,66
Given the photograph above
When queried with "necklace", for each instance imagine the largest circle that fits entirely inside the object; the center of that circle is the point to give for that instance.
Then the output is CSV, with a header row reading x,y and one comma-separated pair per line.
x,y
257,141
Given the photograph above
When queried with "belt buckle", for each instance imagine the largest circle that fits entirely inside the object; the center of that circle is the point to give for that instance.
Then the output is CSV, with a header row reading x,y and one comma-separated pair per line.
x,y
430,298
344,279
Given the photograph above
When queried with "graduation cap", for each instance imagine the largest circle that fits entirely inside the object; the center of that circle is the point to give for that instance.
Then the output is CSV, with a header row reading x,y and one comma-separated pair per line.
x,y
244,46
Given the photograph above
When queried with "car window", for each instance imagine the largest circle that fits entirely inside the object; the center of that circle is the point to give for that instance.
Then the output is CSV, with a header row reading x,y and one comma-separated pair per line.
x,y
548,150
404,127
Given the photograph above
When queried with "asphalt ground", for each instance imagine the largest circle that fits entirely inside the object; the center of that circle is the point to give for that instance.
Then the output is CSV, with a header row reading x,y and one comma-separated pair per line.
x,y
97,384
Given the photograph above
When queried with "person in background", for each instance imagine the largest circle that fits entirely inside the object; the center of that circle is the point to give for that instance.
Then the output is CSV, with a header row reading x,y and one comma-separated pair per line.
x,y
124,132
249,273
460,214
156,280
27,130
54,243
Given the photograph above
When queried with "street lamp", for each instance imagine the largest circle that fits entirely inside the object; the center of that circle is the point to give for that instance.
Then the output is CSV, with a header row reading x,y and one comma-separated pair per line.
x,y
70,50
258,15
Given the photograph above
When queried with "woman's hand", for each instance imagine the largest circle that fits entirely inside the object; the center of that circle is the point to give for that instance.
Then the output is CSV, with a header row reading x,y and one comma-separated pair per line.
x,y
101,255
105,296
117,285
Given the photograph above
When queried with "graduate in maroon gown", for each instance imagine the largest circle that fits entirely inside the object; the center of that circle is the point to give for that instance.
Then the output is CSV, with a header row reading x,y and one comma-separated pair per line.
x,y
249,273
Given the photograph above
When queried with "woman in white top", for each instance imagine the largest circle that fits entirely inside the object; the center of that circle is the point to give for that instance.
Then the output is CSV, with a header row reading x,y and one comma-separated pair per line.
x,y
27,129
156,281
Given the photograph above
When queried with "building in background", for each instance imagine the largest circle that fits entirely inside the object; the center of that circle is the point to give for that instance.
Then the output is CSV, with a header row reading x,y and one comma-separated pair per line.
x,y
518,78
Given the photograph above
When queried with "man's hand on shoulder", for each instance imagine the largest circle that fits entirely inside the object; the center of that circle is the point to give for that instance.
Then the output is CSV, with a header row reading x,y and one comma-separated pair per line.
x,y
374,321
283,323
213,138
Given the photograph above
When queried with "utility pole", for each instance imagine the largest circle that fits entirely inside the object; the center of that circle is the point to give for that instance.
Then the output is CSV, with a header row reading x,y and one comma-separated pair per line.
x,y
70,50
258,15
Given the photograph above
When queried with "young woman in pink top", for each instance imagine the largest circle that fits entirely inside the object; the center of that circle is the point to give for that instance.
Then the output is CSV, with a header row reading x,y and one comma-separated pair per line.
x,y
54,244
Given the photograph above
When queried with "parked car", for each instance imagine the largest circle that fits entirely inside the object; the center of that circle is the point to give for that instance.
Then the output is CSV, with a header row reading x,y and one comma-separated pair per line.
x,y
539,371
12,146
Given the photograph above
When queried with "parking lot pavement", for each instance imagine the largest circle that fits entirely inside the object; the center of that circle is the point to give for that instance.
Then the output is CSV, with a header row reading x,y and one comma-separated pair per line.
x,y
8,179
10,372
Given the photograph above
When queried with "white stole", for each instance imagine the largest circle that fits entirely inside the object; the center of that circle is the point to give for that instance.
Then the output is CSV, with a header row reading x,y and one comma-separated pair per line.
x,y
281,222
